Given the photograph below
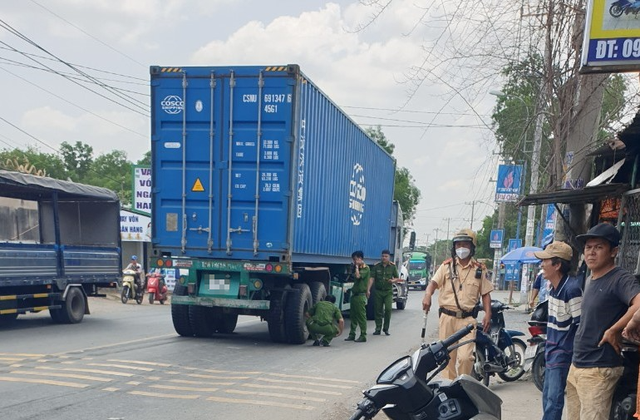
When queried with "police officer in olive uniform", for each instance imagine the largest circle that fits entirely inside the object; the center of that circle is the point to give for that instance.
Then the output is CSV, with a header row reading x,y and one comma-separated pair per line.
x,y
462,282
359,294
322,319
383,275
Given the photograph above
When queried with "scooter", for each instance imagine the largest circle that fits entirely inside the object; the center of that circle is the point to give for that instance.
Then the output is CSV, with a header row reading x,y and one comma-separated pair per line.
x,y
619,7
156,288
498,352
534,355
130,288
404,392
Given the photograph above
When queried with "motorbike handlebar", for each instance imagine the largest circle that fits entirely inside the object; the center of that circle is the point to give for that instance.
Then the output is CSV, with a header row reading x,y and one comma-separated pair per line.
x,y
357,415
456,336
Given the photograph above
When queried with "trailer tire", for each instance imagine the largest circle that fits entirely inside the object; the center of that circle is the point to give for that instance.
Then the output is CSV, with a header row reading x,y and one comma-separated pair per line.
x,y
73,307
318,291
203,321
275,319
226,323
56,315
180,318
298,303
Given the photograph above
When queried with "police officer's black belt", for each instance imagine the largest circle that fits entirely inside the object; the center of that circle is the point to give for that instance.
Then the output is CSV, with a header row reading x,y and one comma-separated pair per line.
x,y
457,314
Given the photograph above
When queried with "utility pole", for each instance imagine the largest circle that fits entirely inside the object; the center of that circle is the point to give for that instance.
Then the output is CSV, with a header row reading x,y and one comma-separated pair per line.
x,y
435,251
497,252
473,205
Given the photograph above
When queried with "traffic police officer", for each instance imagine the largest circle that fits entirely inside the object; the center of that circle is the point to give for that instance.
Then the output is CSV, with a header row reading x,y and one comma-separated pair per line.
x,y
322,319
359,294
383,275
462,282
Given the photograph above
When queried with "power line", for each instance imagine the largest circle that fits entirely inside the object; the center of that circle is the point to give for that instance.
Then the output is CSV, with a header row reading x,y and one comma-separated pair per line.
x,y
131,101
76,105
88,34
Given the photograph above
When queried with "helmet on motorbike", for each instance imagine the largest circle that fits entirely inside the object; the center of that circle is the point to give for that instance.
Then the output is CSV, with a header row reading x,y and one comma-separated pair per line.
x,y
134,258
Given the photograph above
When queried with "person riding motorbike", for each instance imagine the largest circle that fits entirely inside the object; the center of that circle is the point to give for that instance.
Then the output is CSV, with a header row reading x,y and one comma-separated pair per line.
x,y
137,267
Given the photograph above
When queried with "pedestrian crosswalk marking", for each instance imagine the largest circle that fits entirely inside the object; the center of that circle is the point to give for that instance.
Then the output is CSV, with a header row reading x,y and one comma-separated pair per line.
x,y
282,381
291,388
271,394
43,382
60,375
161,395
258,402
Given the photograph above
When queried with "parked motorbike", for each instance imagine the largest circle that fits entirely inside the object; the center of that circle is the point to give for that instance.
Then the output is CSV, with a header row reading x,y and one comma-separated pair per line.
x,y
623,405
156,288
534,355
403,390
498,352
130,288
619,7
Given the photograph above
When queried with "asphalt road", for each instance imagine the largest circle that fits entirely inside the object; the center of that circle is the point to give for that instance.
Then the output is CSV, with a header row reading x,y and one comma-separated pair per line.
x,y
126,362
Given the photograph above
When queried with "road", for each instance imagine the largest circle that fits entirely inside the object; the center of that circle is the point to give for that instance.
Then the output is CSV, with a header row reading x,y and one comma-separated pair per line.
x,y
126,362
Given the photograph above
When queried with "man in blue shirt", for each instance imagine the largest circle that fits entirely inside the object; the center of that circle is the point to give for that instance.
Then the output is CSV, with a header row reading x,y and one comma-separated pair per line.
x,y
565,300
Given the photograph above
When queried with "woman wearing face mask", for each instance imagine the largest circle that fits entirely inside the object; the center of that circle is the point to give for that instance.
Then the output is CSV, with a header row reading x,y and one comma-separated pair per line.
x,y
462,282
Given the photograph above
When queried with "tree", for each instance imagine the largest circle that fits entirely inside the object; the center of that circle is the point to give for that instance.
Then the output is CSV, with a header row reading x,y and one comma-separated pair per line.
x,y
405,190
32,161
77,159
113,171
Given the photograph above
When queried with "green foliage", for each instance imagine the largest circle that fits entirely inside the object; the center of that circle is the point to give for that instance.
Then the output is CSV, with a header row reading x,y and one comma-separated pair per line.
x,y
50,163
77,160
77,163
405,190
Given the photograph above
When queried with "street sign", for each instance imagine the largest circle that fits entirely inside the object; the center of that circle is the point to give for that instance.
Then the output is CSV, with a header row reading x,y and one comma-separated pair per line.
x,y
511,272
495,240
514,244
508,185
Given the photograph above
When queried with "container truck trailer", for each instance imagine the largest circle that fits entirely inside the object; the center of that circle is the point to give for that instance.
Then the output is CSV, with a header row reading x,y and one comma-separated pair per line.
x,y
59,244
261,190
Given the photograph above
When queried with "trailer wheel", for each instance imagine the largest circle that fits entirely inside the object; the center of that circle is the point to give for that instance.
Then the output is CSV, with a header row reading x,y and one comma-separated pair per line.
x,y
298,303
202,319
318,291
275,319
180,317
226,323
56,315
73,307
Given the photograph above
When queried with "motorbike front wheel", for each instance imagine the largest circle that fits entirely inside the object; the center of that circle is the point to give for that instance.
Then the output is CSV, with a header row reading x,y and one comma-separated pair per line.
x,y
478,368
514,353
537,370
139,298
124,296
615,10
151,297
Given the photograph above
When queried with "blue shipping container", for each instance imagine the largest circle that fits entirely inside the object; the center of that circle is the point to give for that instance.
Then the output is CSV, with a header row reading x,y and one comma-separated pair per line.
x,y
256,163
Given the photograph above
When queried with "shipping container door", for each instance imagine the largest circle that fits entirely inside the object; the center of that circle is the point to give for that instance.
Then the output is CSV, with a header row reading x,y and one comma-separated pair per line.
x,y
257,148
222,167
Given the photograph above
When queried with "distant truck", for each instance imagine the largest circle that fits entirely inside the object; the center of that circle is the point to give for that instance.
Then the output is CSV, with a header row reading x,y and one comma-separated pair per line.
x,y
59,244
418,267
262,189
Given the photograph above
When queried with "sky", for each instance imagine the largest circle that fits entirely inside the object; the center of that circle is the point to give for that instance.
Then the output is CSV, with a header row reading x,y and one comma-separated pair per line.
x,y
365,61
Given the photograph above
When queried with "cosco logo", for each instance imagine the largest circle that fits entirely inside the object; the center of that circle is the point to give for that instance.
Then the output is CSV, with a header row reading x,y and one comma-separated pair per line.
x,y
172,104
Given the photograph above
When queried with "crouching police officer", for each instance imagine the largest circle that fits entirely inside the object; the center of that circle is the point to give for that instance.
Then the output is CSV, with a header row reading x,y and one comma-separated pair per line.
x,y
322,319
462,282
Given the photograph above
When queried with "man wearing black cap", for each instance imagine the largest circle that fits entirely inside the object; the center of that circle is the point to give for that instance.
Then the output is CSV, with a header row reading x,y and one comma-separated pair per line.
x,y
611,297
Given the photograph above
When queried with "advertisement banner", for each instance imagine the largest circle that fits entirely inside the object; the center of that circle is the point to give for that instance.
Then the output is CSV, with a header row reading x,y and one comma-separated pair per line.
x,y
549,226
495,240
511,272
142,189
508,185
611,37
134,227
514,244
